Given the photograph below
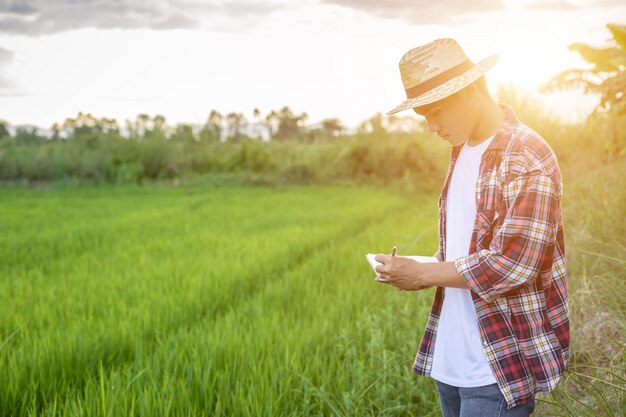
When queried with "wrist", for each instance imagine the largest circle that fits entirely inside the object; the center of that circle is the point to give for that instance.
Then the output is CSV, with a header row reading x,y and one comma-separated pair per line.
x,y
444,274
428,277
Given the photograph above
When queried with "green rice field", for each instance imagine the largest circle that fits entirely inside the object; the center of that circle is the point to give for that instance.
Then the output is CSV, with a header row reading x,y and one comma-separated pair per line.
x,y
210,301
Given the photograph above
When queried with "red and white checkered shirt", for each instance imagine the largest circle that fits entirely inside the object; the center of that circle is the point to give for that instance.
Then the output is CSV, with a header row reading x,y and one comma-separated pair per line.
x,y
515,266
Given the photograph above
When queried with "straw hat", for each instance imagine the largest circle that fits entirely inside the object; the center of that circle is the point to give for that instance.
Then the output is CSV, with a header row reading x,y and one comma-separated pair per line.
x,y
436,70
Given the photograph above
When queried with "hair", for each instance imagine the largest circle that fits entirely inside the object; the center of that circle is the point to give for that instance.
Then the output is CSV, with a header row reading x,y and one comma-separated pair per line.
x,y
481,83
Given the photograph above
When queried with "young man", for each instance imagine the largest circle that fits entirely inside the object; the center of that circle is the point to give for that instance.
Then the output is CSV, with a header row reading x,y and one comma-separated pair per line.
x,y
498,330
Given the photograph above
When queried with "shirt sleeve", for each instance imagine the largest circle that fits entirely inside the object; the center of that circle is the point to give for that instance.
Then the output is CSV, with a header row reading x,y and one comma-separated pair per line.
x,y
524,242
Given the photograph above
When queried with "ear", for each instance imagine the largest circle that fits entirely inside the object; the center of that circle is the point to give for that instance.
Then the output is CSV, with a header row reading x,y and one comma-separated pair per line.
x,y
471,93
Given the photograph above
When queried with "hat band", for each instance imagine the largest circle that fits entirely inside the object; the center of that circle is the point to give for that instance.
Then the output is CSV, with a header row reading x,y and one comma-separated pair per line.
x,y
439,79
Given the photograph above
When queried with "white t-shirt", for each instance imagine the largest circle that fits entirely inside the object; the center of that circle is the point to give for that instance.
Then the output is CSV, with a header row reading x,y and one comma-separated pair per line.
x,y
459,359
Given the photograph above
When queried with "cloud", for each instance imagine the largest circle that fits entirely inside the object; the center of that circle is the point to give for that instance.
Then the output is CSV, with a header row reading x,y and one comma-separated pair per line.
x,y
421,11
40,17
608,3
555,5
8,87
6,56
566,5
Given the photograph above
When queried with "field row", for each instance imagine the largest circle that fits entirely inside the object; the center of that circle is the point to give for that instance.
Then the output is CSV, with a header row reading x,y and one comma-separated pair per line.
x,y
221,302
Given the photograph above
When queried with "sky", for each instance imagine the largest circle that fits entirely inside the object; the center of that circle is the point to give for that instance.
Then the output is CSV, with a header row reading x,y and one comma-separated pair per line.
x,y
328,58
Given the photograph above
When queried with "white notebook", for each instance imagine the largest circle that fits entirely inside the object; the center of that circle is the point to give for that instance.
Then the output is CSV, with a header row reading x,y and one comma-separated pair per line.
x,y
373,262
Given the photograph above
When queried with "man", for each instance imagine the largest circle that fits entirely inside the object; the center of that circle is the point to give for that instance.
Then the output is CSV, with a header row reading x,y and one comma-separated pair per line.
x,y
498,330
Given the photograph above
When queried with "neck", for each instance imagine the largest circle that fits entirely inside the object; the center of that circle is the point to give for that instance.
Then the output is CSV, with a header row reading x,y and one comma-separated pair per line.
x,y
490,118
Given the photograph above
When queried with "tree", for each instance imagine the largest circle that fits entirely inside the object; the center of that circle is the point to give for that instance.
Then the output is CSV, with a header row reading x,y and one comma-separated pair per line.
x,y
332,127
236,124
142,123
109,125
27,135
258,123
85,125
405,124
272,120
56,129
374,126
289,125
213,127
607,78
183,132
4,132
158,122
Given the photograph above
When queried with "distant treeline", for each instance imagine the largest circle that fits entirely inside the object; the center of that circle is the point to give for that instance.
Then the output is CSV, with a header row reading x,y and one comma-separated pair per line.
x,y
98,150
281,125
381,150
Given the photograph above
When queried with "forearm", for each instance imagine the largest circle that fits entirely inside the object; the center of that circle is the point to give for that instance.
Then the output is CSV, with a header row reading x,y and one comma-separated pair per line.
x,y
442,274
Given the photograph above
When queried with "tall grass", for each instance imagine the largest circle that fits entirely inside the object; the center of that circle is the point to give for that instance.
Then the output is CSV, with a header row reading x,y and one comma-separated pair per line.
x,y
596,255
383,159
594,206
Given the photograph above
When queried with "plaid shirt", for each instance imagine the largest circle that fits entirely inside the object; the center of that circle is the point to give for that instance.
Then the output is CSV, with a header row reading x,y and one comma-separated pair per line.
x,y
516,264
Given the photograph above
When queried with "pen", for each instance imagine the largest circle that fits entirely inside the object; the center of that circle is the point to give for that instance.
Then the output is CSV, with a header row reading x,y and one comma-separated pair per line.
x,y
393,251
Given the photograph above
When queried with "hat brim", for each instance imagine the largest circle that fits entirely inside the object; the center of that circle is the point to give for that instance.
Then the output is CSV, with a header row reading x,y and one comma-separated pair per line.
x,y
449,87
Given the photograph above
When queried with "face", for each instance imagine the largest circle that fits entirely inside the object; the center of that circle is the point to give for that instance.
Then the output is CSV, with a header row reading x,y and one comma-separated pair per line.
x,y
453,118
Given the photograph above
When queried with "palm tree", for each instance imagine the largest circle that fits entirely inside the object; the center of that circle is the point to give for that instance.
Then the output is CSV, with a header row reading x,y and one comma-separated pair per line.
x,y
158,122
302,119
256,113
236,122
141,122
607,78
214,122
56,129
4,132
332,127
290,126
375,125
273,120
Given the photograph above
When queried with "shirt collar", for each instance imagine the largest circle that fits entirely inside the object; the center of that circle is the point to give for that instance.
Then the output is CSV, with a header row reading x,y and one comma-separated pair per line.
x,y
502,135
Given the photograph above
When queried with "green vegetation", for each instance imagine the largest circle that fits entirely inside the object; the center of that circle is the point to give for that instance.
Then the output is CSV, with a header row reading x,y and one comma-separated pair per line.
x,y
207,277
594,207
607,77
208,301
95,153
